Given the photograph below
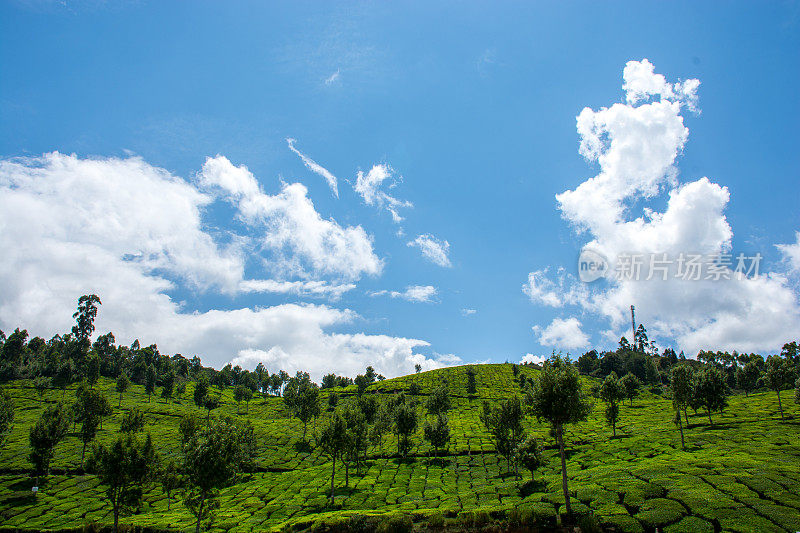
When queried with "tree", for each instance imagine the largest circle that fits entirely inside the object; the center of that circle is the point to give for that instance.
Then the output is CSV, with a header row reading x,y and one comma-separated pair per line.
x,y
797,391
6,415
710,390
611,392
84,317
529,454
150,381
357,438
405,423
362,382
301,397
504,423
438,402
747,377
124,466
779,375
168,385
333,441
170,479
92,369
630,386
212,458
46,433
471,388
681,382
65,375
201,391
211,403
122,385
418,368
188,427
556,396
437,433
242,394
132,421
89,409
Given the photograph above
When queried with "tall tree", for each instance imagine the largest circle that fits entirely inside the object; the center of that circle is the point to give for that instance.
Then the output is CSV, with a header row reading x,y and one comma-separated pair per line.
x,y
710,389
121,386
779,375
556,396
438,432
630,385
405,423
170,477
84,317
150,381
529,455
212,458
612,391
471,388
438,401
503,421
124,466
301,397
681,384
46,433
89,409
747,377
334,443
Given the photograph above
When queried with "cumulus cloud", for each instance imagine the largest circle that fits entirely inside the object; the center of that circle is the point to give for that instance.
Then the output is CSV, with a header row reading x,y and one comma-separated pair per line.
x,y
562,333
315,167
791,253
298,241
636,145
434,250
370,187
535,359
133,233
566,290
412,293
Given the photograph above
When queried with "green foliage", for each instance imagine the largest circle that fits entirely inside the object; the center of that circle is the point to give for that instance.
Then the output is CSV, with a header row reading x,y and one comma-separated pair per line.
x,y
6,414
212,457
779,376
124,466
630,385
84,316
504,423
612,391
529,454
438,402
49,430
438,432
301,397
405,423
710,390
471,387
132,421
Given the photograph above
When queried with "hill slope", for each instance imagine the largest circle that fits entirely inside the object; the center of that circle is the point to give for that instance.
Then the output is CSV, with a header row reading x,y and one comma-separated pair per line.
x,y
740,474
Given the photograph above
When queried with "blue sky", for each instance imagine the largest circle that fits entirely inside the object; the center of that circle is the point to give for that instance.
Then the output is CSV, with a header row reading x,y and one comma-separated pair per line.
x,y
472,106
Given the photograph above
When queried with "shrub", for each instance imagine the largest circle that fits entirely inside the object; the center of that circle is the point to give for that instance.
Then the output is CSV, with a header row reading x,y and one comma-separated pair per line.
x,y
436,520
396,523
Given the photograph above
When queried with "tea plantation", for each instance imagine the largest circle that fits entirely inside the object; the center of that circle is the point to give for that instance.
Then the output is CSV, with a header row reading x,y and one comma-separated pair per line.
x,y
740,474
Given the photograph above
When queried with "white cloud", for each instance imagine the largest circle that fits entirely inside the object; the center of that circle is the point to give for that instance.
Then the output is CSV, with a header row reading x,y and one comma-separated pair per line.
x,y
468,312
132,233
433,249
413,293
333,78
791,253
541,289
316,167
298,240
301,288
636,147
562,333
535,359
369,187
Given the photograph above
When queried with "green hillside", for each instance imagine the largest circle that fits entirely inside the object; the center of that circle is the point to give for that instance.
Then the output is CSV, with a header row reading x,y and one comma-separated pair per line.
x,y
741,474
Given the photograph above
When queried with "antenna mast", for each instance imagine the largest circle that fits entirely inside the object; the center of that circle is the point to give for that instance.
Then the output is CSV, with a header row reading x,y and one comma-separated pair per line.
x,y
633,327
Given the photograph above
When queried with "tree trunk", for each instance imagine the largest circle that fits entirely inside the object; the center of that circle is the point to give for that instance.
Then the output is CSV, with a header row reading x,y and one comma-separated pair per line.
x,y
560,435
711,422
346,474
333,475
614,427
116,518
200,512
780,407
680,425
686,416
120,401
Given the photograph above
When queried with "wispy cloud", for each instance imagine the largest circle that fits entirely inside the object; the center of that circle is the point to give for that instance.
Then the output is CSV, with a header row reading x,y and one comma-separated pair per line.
x,y
413,293
369,187
315,167
468,312
433,249
314,288
333,78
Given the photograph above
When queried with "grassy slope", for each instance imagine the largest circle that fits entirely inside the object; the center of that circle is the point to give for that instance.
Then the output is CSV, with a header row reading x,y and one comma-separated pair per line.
x,y
741,474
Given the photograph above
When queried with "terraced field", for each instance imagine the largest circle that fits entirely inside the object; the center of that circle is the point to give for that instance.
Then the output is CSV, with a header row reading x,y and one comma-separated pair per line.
x,y
742,474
